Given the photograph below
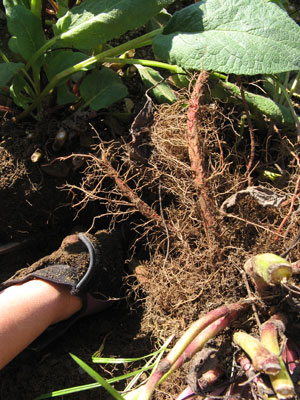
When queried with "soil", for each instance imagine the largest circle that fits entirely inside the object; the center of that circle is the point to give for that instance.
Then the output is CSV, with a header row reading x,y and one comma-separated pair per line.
x,y
183,258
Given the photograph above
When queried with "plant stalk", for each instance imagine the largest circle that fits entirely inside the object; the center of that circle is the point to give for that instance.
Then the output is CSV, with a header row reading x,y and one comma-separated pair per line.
x,y
208,333
36,7
147,63
263,360
295,116
281,382
267,270
191,341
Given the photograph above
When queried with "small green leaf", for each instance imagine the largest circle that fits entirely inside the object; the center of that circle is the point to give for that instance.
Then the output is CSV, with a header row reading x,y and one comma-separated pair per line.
x,y
58,61
94,22
159,20
7,71
27,31
98,378
17,92
64,96
161,90
181,79
102,88
231,36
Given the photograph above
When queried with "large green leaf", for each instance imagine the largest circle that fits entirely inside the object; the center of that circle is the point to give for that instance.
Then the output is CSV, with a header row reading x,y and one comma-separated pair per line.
x,y
95,22
8,70
231,36
26,28
102,88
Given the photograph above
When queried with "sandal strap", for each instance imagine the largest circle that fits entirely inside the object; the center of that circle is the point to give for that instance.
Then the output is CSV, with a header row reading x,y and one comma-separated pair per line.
x,y
94,255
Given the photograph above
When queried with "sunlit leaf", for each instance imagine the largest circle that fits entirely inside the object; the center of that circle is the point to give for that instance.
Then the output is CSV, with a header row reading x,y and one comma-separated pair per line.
x,y
102,88
94,22
231,36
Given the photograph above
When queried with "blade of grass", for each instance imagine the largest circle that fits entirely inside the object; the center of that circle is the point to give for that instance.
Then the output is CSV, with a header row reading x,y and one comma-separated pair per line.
x,y
159,352
104,360
97,378
89,386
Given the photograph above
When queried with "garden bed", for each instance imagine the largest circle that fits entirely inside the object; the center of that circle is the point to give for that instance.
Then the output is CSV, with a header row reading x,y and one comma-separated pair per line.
x,y
196,187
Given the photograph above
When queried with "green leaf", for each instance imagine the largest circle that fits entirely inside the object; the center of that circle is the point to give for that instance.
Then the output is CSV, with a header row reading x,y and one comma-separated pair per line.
x,y
265,105
27,31
161,90
62,8
94,22
58,61
102,88
17,92
89,386
159,21
231,36
98,378
64,96
7,71
10,4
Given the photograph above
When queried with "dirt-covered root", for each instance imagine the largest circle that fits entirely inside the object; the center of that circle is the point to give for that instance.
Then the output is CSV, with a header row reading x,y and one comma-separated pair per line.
x,y
185,273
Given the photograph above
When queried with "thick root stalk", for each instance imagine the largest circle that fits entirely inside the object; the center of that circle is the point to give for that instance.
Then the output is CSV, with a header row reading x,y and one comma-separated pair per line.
x,y
263,360
281,382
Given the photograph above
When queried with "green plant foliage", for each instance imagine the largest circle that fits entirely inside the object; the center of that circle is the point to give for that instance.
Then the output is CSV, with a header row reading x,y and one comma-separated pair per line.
x,y
98,378
102,88
232,36
10,4
26,30
17,91
57,61
62,7
95,22
161,90
265,105
8,70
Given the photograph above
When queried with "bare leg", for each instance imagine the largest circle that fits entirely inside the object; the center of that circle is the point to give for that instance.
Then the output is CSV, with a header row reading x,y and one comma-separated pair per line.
x,y
26,310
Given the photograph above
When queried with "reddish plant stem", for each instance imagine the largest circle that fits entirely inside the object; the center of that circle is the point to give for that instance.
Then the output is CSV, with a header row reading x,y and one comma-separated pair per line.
x,y
7,109
269,333
293,200
196,158
193,340
291,355
165,365
263,360
209,332
252,140
253,377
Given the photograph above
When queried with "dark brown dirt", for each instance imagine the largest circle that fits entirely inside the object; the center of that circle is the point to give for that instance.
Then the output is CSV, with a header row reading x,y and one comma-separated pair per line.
x,y
37,214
